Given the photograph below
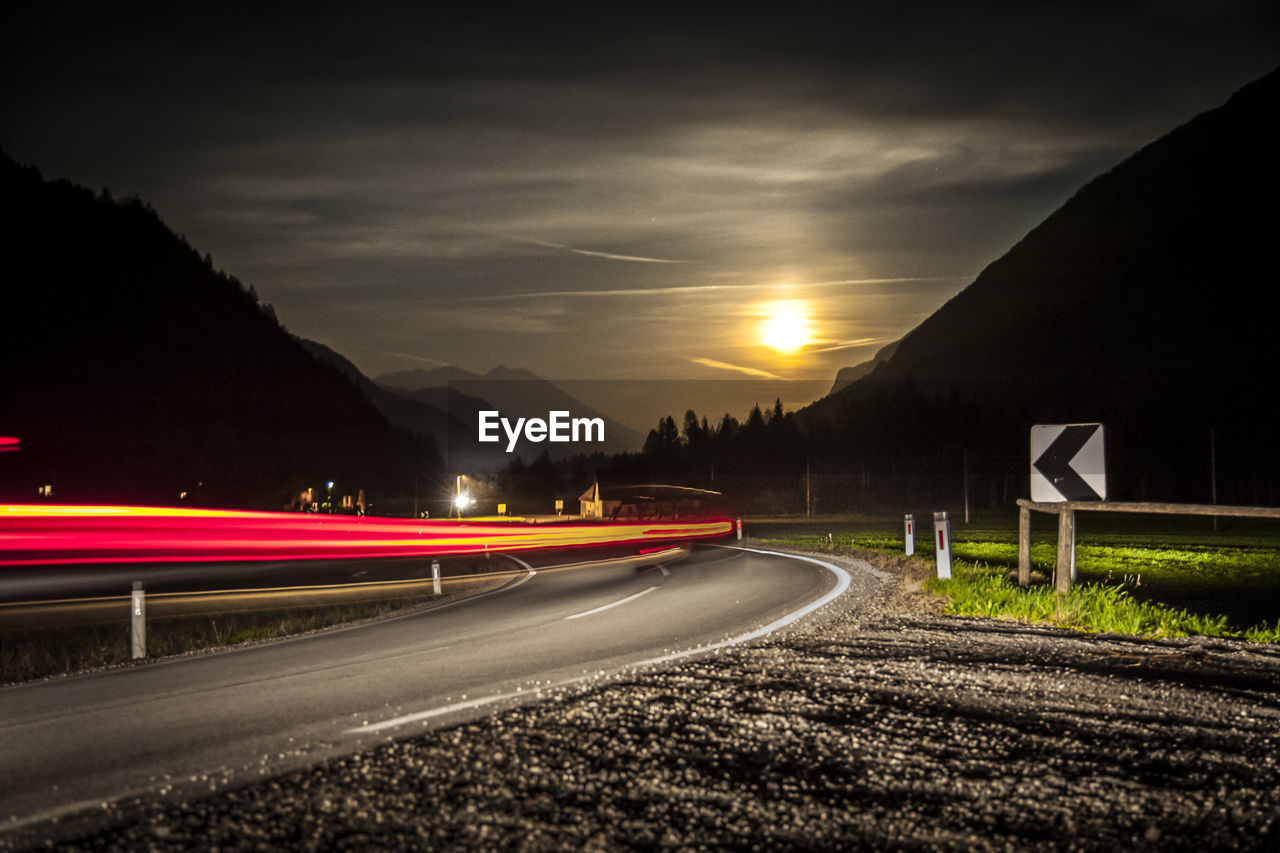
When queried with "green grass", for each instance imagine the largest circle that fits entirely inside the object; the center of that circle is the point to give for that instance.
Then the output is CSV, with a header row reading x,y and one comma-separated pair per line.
x,y
977,589
1177,582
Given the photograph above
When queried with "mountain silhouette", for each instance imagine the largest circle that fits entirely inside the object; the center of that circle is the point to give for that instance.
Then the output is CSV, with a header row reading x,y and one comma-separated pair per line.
x,y
135,371
436,416
513,391
1139,303
848,375
1151,269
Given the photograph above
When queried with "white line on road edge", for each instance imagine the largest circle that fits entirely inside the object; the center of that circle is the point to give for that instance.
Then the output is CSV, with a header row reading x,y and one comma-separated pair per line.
x,y
506,587
528,568
843,580
615,604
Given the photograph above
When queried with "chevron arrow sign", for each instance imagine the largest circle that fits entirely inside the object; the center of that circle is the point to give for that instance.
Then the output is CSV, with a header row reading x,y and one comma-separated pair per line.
x,y
1068,463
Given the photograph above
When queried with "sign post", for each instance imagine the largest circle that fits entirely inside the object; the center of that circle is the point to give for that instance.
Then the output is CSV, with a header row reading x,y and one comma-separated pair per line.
x,y
1068,463
910,534
942,541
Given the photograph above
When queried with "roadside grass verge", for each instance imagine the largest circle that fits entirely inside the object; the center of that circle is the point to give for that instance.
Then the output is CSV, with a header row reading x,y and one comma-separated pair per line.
x,y
1128,584
977,589
32,653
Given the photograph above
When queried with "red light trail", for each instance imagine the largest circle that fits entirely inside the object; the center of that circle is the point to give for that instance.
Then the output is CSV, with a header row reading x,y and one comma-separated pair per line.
x,y
36,535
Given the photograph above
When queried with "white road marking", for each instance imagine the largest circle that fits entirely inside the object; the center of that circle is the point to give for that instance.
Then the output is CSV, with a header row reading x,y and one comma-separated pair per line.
x,y
614,604
528,568
434,712
843,580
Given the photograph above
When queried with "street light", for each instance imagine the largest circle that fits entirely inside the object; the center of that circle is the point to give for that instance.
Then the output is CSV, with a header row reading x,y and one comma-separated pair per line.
x,y
459,499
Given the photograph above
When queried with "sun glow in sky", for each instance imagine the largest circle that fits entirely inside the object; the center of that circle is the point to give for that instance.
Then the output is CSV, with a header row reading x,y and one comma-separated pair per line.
x,y
786,327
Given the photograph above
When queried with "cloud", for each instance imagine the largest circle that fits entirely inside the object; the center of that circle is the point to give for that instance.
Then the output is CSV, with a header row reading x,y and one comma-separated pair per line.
x,y
435,362
592,254
679,289
854,344
724,365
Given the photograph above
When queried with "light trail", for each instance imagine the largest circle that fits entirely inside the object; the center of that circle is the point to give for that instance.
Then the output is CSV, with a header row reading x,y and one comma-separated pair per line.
x,y
53,535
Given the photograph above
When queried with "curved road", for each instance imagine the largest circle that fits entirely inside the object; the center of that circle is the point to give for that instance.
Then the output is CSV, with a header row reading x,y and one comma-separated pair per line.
x,y
186,725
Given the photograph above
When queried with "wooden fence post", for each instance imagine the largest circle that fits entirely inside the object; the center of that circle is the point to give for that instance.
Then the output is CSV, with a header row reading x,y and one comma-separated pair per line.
x,y
1066,548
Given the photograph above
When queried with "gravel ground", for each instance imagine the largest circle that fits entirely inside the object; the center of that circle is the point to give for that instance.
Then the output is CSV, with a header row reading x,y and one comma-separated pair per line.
x,y
884,726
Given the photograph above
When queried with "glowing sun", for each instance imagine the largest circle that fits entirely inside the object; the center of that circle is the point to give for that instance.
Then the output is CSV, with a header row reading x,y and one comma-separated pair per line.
x,y
785,326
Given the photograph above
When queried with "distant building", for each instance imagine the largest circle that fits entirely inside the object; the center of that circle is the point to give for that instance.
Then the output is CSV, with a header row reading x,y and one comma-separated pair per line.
x,y
620,503
591,505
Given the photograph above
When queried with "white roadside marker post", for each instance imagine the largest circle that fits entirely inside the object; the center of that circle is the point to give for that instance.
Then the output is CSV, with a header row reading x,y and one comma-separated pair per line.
x,y
435,577
942,536
739,527
138,609
910,534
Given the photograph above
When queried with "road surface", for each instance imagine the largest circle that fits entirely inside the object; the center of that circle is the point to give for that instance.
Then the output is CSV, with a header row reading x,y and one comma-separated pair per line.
x,y
188,725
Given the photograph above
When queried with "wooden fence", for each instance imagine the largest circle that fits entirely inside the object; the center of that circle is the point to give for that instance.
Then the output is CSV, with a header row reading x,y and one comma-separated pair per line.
x,y
1067,526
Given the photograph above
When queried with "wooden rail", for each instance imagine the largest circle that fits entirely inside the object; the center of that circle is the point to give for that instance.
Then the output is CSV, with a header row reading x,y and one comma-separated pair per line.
x,y
1067,527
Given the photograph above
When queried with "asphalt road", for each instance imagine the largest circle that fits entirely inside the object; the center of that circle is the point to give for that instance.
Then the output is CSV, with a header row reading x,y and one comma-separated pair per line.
x,y
175,728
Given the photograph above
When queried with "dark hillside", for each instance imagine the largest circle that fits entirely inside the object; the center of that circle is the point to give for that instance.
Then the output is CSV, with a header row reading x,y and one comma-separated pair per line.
x,y
133,370
403,410
1152,269
1141,303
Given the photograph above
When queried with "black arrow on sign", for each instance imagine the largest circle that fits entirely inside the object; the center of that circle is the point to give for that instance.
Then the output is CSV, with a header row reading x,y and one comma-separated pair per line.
x,y
1055,463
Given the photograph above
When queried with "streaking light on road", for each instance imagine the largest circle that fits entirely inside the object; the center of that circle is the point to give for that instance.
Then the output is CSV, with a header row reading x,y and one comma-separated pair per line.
x,y
43,534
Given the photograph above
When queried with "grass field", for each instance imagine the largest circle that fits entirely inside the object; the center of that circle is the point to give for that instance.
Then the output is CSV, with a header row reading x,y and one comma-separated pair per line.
x,y
1142,576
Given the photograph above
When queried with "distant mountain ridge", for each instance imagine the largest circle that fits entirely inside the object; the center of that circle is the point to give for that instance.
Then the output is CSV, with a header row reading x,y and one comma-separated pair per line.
x,y
513,391
848,375
417,416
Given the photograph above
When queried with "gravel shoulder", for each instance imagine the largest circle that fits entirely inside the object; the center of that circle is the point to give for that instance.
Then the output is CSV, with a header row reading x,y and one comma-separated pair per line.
x,y
880,725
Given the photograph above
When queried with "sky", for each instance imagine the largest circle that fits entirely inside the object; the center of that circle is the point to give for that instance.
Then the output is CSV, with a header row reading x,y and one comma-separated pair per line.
x,y
628,192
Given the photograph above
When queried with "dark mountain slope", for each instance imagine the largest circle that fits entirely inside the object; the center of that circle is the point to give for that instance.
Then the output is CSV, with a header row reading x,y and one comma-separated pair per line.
x,y
402,410
133,370
1153,269
848,375
1141,303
